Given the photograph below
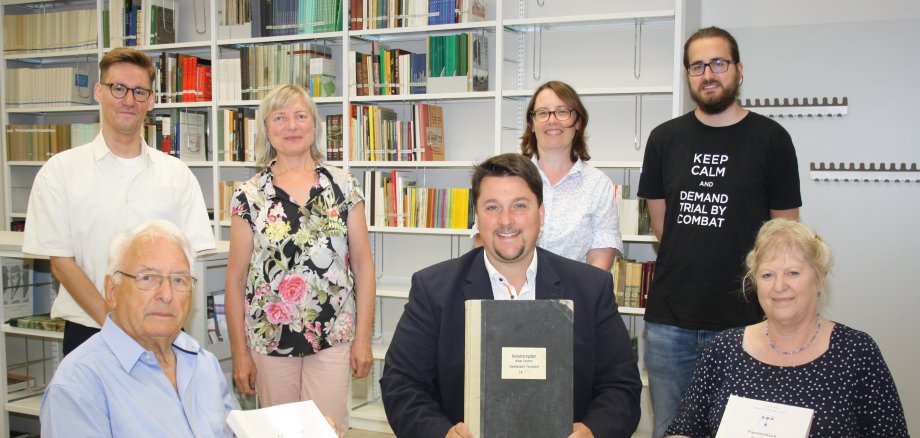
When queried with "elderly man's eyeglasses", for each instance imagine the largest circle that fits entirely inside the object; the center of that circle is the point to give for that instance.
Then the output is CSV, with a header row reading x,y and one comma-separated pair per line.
x,y
151,281
119,91
716,66
562,114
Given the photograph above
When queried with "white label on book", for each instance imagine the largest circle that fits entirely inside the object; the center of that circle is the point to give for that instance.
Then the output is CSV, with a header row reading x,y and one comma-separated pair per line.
x,y
745,417
523,363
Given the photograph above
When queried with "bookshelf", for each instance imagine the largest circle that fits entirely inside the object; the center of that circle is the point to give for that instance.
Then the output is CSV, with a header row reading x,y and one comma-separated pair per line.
x,y
622,56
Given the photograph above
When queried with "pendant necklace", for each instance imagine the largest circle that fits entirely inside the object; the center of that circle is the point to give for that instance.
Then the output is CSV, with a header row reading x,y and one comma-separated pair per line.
x,y
766,332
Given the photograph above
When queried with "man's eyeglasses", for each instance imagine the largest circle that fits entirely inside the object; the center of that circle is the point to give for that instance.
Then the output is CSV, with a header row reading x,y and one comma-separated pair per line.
x,y
119,91
716,66
562,114
150,281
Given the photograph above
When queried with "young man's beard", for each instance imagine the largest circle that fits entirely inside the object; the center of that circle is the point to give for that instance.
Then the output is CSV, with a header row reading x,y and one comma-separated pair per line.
x,y
717,103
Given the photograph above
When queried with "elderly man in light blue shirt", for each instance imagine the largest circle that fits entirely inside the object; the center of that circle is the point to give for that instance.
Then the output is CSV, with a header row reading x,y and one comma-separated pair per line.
x,y
141,376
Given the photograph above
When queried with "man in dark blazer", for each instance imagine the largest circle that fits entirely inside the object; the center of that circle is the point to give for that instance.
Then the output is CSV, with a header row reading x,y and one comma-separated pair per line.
x,y
422,381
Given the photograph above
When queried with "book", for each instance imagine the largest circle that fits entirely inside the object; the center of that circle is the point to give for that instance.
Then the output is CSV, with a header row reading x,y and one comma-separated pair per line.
x,y
42,321
479,62
435,132
518,368
746,417
19,382
192,139
17,287
298,419
629,217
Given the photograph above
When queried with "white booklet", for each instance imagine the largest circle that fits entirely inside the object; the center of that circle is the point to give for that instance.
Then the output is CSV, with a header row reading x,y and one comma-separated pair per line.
x,y
290,420
745,417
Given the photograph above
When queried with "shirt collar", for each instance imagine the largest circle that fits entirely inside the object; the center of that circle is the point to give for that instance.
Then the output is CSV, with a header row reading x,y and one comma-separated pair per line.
x,y
127,351
497,277
101,148
576,168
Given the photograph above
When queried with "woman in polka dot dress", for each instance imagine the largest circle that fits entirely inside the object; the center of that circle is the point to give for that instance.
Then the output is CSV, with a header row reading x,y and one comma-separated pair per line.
x,y
795,356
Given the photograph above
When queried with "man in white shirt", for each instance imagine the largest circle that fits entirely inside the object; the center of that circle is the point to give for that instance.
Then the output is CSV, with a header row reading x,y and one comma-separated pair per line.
x,y
422,382
83,197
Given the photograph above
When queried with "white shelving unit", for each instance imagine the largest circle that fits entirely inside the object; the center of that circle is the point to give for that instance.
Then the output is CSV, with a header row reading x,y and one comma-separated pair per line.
x,y
622,56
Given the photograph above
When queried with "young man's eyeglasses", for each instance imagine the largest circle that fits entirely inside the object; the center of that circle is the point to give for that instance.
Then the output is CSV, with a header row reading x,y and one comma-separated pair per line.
x,y
151,281
562,114
716,66
119,91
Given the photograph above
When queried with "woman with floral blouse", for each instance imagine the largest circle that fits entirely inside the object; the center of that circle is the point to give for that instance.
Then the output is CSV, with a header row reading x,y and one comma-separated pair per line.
x,y
300,278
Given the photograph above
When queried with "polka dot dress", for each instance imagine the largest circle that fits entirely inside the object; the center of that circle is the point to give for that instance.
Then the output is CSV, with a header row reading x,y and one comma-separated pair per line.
x,y
849,387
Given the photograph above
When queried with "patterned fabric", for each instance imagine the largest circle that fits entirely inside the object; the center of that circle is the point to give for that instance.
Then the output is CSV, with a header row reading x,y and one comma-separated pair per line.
x,y
581,214
300,290
849,387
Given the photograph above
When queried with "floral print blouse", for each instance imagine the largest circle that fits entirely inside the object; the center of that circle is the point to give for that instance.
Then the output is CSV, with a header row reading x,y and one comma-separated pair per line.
x,y
300,291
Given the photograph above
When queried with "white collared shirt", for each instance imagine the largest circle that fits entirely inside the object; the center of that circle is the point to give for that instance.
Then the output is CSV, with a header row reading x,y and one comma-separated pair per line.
x,y
503,290
83,197
581,213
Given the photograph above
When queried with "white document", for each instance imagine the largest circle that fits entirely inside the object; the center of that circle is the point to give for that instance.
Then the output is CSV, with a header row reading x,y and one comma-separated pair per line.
x,y
745,417
290,420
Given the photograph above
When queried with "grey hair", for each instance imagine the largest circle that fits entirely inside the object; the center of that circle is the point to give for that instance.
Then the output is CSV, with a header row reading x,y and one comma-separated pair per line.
x,y
278,98
152,228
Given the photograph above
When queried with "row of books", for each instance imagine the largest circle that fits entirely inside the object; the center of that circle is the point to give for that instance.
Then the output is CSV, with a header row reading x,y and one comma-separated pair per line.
x,y
139,22
463,55
182,78
631,282
453,63
49,31
180,133
236,134
393,199
389,72
382,14
378,135
48,87
261,68
40,142
331,141
265,18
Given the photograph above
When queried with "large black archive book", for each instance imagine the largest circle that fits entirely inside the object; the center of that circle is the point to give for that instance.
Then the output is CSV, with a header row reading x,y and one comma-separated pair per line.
x,y
518,373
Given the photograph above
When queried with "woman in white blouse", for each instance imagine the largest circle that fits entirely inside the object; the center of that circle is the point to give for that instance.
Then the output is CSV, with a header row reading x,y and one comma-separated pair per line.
x,y
582,221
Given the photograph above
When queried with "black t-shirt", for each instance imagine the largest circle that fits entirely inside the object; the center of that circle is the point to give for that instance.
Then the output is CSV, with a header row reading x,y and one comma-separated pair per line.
x,y
719,185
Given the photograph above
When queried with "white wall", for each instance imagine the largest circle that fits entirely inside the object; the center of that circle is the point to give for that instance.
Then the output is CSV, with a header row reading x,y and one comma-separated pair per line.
x,y
868,52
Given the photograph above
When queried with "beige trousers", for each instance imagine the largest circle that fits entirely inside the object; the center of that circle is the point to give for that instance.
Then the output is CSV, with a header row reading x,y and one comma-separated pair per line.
x,y
322,377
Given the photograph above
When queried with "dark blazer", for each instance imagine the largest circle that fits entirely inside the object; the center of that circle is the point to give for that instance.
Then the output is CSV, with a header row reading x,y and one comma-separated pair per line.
x,y
422,380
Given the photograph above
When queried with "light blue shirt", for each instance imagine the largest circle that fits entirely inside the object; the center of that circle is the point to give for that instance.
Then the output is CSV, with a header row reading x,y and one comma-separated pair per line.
x,y
111,387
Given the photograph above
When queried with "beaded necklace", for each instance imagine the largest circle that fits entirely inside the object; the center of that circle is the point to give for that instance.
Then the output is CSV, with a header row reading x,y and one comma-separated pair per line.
x,y
766,332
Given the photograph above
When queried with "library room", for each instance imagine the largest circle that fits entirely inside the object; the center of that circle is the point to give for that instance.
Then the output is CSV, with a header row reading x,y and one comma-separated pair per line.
x,y
396,132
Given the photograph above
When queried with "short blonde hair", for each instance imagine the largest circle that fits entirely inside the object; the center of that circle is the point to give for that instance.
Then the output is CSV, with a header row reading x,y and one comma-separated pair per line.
x,y
280,97
783,235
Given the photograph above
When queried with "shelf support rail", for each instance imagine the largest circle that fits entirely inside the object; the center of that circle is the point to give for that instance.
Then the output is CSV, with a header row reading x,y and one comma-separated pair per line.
x,y
637,49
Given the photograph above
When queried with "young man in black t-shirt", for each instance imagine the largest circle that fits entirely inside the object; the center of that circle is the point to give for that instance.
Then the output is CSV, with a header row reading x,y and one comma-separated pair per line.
x,y
711,178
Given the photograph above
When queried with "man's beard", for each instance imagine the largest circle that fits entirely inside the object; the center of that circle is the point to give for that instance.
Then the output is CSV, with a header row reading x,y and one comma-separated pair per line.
x,y
715,104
